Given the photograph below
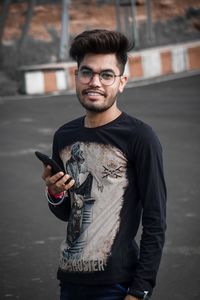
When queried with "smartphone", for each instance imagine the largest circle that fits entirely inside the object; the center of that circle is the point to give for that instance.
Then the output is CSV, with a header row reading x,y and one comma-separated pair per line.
x,y
55,168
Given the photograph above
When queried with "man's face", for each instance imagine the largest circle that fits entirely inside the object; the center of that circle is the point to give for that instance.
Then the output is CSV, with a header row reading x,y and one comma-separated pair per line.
x,y
95,96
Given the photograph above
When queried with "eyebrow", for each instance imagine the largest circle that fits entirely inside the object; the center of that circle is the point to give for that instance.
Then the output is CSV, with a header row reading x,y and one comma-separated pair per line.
x,y
104,70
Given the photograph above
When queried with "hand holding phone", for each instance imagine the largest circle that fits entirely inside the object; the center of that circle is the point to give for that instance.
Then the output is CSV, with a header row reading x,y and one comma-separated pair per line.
x,y
57,183
55,168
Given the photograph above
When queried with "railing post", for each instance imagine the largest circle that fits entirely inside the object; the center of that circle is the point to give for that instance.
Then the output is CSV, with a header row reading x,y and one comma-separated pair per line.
x,y
64,39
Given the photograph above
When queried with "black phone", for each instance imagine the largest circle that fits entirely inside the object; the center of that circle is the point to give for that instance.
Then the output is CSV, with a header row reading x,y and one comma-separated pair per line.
x,y
55,168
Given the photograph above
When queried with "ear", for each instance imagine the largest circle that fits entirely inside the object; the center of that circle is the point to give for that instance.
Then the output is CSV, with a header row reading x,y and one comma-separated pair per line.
x,y
123,82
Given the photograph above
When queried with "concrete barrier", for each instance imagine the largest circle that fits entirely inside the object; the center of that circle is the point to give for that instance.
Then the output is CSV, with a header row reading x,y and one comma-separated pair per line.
x,y
47,78
142,65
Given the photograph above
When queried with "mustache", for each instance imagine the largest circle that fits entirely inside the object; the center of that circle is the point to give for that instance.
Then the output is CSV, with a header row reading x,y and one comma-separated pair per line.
x,y
92,90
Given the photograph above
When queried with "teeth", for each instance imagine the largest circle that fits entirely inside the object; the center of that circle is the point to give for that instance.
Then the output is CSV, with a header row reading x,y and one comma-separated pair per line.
x,y
93,94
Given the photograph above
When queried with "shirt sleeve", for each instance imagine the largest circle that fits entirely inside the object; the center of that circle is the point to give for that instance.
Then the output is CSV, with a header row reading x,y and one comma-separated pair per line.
x,y
61,211
152,193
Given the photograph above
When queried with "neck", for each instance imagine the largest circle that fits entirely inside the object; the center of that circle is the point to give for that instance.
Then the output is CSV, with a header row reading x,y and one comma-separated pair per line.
x,y
93,119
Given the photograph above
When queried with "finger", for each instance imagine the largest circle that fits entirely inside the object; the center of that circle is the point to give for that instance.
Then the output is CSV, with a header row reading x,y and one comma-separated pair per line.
x,y
60,184
50,180
57,177
69,185
46,172
66,179
65,182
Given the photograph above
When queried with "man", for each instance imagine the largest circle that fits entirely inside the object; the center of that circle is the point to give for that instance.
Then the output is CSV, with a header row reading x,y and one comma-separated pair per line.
x,y
113,177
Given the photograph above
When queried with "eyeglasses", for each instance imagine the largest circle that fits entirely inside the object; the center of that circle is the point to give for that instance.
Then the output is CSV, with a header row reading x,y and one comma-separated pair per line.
x,y
106,77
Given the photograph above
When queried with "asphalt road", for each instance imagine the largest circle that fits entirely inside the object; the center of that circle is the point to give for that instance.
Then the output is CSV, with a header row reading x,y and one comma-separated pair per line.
x,y
30,234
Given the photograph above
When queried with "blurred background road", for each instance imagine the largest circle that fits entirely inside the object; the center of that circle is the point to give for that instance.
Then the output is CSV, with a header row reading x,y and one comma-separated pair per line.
x,y
31,235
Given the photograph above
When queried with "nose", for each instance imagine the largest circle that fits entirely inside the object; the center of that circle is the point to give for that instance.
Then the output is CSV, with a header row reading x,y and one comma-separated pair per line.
x,y
95,81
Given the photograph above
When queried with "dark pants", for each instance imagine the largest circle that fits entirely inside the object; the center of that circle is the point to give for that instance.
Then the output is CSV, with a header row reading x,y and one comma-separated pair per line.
x,y
93,292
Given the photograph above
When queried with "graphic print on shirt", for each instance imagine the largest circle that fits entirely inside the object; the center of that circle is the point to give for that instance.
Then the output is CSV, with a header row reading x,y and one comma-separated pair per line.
x,y
99,172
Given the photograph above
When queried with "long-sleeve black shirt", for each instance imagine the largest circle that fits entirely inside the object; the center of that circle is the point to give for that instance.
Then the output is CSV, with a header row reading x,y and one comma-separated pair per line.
x,y
118,171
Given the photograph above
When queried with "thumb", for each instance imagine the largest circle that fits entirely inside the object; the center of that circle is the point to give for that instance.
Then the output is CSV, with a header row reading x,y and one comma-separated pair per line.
x,y
46,172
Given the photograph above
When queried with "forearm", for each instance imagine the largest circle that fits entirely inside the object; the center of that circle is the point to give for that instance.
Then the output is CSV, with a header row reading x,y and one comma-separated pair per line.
x,y
62,210
151,247
57,187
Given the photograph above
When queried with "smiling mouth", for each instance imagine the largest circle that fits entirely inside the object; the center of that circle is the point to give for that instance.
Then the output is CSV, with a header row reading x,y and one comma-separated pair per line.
x,y
93,93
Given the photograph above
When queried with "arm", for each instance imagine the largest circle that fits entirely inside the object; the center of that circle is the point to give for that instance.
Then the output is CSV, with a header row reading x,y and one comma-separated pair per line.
x,y
57,193
56,185
152,194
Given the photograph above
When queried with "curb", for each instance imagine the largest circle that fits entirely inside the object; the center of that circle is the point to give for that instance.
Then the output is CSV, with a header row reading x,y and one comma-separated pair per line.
x,y
144,65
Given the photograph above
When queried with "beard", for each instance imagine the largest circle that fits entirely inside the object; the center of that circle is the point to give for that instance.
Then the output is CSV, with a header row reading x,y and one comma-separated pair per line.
x,y
93,107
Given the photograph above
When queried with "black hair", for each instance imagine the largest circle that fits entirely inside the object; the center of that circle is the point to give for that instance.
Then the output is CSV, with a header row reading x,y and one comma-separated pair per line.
x,y
101,41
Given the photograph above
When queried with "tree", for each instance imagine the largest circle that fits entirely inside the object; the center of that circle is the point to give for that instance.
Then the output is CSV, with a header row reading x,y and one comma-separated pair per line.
x,y
3,17
64,40
25,28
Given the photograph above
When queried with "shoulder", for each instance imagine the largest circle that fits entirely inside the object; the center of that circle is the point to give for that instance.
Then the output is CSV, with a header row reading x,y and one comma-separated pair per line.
x,y
139,128
71,125
143,135
66,132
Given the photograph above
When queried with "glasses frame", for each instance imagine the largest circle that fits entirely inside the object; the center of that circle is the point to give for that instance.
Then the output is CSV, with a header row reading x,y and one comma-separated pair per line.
x,y
96,73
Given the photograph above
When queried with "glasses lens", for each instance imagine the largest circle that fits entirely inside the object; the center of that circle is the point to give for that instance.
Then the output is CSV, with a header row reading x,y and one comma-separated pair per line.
x,y
84,75
107,77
